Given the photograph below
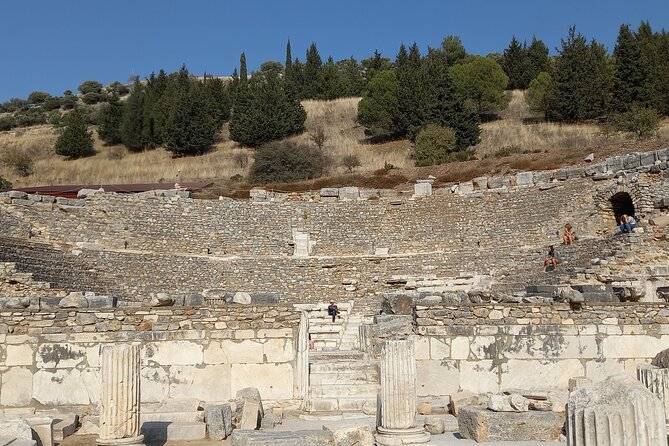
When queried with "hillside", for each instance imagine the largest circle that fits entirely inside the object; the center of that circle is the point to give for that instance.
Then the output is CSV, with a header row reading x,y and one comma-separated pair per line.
x,y
527,144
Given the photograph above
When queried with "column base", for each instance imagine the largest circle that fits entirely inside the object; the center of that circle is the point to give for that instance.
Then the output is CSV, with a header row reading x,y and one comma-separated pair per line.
x,y
134,441
398,437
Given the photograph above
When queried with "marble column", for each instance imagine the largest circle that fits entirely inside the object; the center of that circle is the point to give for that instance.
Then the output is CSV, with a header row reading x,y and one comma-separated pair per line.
x,y
302,375
656,379
120,397
397,399
616,411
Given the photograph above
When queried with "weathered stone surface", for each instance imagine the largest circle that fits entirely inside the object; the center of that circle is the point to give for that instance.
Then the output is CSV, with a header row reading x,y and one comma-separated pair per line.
x,y
251,396
349,193
525,179
17,428
270,438
352,436
42,428
219,421
609,413
329,192
397,304
480,183
162,300
656,380
661,359
466,187
508,403
74,300
480,424
422,189
461,399
242,298
435,425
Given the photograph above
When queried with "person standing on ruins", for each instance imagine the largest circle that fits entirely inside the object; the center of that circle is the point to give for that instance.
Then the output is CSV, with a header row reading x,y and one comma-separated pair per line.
x,y
333,310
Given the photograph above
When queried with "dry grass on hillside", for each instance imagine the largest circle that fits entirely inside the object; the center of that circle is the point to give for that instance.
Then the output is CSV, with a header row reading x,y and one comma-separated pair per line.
x,y
533,146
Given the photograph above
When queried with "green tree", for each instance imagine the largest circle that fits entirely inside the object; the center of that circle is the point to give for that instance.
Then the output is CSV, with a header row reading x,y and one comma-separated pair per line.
x,y
314,86
75,141
373,65
192,124
38,97
515,64
581,80
412,92
110,118
354,80
265,111
156,107
537,61
133,119
453,49
334,81
286,162
481,81
538,94
90,87
642,122
5,184
434,145
378,107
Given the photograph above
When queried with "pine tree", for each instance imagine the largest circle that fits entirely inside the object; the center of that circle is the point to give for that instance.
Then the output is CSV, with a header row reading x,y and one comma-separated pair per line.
x,y
377,110
268,112
313,74
75,141
334,82
537,61
352,72
411,94
133,119
154,114
109,121
453,50
514,63
192,124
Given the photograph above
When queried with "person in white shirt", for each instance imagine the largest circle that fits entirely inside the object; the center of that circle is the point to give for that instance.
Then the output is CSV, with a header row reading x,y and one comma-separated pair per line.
x,y
627,223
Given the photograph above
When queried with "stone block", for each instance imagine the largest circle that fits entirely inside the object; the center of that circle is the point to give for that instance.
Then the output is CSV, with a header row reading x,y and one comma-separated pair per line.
x,y
436,378
66,387
539,374
251,415
219,421
21,354
155,431
647,158
101,301
15,194
480,183
615,163
271,438
497,182
241,297
466,187
329,192
483,425
352,435
631,161
422,189
194,300
173,353
479,377
208,384
274,381
265,298
258,195
42,428
17,428
542,177
397,304
234,352
525,179
349,193
17,387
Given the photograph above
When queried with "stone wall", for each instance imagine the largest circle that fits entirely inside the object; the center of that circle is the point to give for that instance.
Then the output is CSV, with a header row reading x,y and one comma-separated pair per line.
x,y
491,348
53,358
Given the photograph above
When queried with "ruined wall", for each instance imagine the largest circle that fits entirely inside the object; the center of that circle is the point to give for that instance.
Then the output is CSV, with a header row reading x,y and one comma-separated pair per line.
x,y
53,358
491,348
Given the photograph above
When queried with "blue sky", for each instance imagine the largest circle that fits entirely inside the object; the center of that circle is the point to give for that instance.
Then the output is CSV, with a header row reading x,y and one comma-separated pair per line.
x,y
53,45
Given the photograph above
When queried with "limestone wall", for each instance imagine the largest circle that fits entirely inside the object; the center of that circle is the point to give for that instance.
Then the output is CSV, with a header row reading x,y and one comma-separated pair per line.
x,y
491,348
53,359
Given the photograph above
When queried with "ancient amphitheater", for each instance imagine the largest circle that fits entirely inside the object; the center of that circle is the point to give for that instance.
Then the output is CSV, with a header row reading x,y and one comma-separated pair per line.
x,y
223,295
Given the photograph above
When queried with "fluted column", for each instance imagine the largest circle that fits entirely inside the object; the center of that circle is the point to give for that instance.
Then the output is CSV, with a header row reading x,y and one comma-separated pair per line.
x,y
397,397
616,411
120,397
656,379
302,375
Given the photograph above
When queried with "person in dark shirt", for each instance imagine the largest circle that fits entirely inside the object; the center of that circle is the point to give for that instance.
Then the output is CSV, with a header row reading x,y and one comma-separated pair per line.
x,y
333,310
552,259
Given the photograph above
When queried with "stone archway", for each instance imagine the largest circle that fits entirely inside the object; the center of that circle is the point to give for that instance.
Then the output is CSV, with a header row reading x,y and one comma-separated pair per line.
x,y
622,204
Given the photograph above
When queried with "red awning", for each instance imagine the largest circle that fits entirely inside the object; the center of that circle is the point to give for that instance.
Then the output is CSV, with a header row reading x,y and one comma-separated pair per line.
x,y
71,190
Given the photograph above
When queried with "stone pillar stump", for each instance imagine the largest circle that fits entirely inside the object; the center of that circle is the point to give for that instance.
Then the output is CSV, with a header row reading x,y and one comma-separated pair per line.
x,y
120,397
396,421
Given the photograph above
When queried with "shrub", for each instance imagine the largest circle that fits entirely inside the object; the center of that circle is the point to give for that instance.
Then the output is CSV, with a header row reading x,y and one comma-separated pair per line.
x,y
434,145
318,137
52,103
38,97
241,160
19,161
53,118
286,162
5,184
93,98
30,116
508,151
7,123
90,87
350,162
642,122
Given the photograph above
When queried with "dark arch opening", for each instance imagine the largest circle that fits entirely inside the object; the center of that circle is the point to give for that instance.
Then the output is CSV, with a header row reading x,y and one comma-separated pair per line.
x,y
622,204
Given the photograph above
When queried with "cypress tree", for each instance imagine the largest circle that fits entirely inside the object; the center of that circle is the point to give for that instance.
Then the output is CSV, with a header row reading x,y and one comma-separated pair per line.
x,y
514,63
334,82
109,121
537,61
289,57
411,94
243,74
133,119
75,141
154,116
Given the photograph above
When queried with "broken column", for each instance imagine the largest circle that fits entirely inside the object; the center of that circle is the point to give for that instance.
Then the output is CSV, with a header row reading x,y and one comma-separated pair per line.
x,y
119,399
396,423
616,411
656,379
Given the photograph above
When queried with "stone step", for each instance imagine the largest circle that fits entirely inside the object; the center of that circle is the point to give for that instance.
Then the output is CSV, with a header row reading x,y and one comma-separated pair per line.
x,y
340,355
345,366
162,431
274,438
320,379
349,389
343,404
173,417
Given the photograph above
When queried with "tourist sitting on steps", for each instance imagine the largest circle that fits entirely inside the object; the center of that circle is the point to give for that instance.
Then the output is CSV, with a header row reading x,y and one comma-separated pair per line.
x,y
568,236
552,259
627,223
333,310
